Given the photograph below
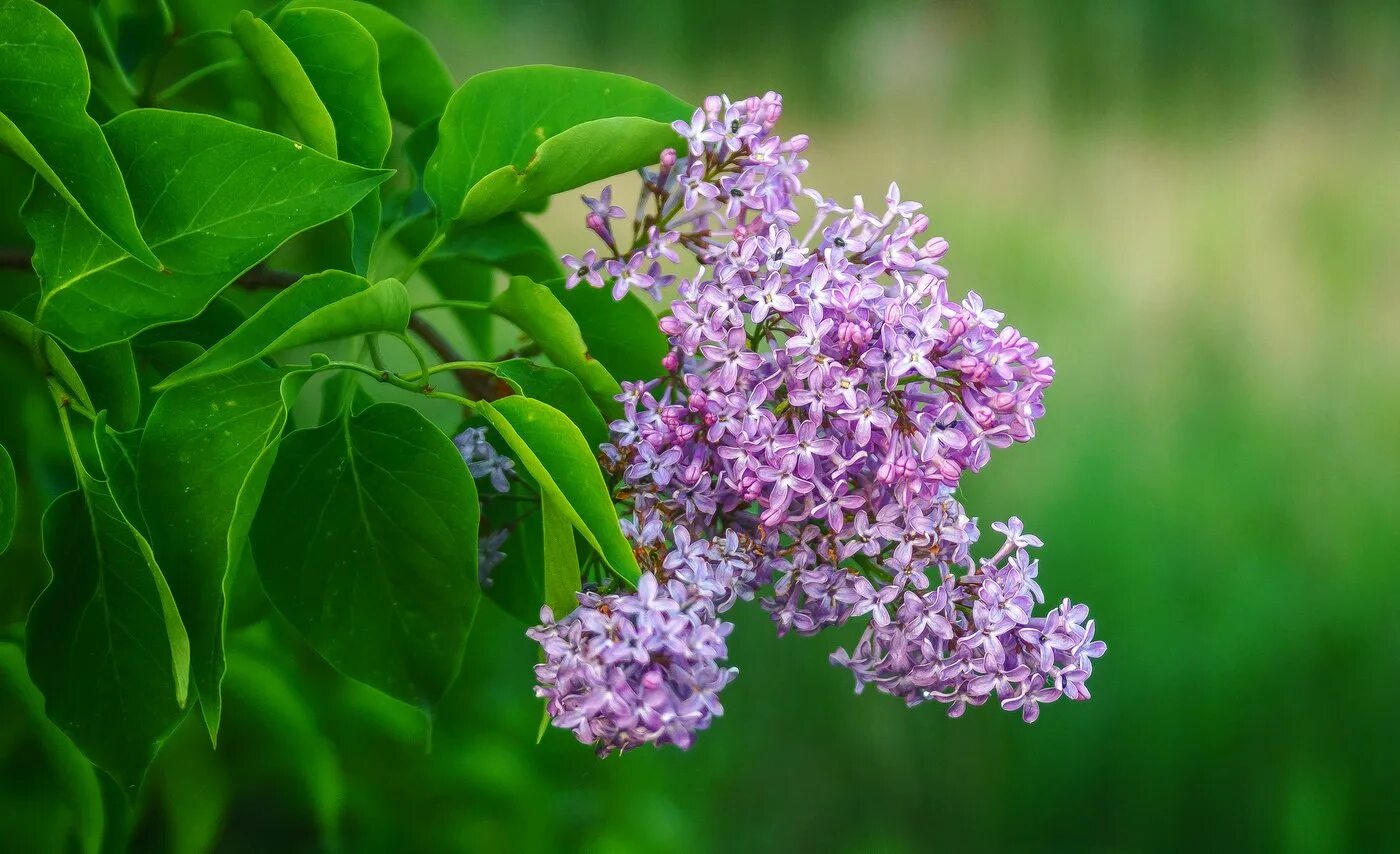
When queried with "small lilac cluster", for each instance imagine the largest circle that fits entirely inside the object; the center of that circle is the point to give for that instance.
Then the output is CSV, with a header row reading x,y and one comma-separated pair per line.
x,y
823,398
484,461
973,635
636,668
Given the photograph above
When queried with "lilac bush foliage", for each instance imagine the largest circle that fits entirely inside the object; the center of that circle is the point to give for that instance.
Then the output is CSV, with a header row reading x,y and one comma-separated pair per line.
x,y
824,396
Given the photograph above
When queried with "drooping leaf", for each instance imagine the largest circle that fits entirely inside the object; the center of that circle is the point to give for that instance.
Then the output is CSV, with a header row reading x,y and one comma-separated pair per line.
x,y
205,455
283,72
415,81
9,499
557,456
43,119
539,314
341,59
515,136
558,388
622,334
215,198
109,373
561,574
118,452
321,307
366,543
99,640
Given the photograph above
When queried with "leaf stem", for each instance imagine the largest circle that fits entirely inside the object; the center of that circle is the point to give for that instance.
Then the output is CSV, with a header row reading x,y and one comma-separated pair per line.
x,y
407,272
467,305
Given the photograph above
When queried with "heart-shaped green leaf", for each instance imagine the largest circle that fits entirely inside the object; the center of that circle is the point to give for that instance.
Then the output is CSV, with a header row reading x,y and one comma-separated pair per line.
x,y
341,60
104,642
205,455
415,81
512,137
366,543
44,120
322,307
539,314
557,456
214,197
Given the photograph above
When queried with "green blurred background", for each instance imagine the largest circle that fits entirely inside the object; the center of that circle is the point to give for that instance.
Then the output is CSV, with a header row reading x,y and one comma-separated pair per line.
x,y
1193,206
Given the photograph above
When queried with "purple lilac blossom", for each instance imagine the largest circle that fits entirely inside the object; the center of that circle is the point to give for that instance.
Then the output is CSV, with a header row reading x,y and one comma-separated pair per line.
x,y
824,397
483,460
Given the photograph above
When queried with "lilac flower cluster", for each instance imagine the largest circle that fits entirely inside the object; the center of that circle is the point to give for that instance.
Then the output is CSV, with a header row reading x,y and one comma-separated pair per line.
x,y
637,668
482,460
824,397
973,635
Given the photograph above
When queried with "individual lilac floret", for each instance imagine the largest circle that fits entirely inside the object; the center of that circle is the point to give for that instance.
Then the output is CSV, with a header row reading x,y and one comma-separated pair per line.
x,y
630,669
483,460
489,554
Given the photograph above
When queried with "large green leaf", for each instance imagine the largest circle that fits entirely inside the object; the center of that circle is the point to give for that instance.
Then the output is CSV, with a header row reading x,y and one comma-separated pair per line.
x,y
539,314
317,308
415,81
282,70
43,119
103,641
506,242
9,499
366,542
214,197
512,137
557,456
459,279
342,61
622,334
204,459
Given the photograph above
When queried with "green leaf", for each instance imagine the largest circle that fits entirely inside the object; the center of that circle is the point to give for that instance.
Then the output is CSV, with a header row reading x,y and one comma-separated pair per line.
x,y
558,388
43,119
214,197
110,374
557,456
415,81
622,334
9,499
540,315
515,136
342,61
561,574
205,456
104,642
118,453
283,72
317,308
366,543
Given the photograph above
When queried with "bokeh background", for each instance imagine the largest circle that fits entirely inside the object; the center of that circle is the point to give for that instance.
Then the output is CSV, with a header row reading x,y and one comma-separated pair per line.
x,y
1194,206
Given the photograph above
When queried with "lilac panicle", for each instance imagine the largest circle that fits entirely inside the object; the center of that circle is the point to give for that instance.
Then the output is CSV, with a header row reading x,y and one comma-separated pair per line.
x,y
824,395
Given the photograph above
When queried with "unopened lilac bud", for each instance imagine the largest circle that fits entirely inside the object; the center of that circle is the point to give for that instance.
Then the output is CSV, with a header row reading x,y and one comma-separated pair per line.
x,y
671,362
601,227
919,223
713,104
